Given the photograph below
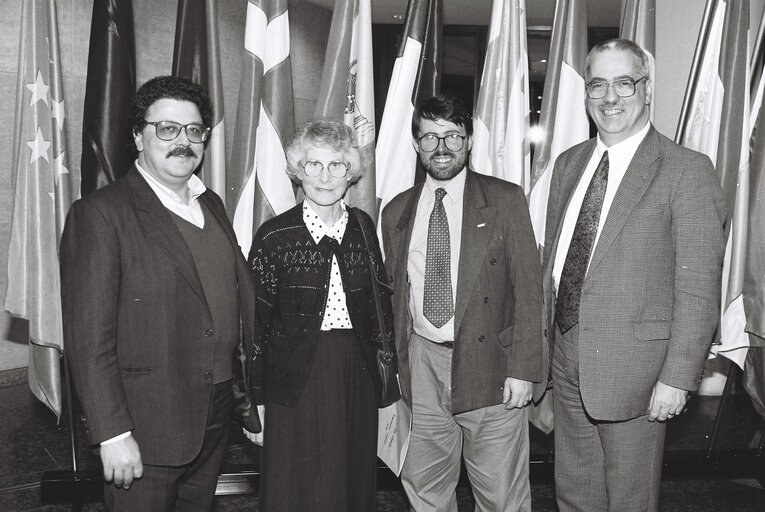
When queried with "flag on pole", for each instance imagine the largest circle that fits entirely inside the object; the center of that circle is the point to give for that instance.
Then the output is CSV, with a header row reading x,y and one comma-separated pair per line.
x,y
716,122
42,198
563,119
638,24
197,57
415,75
258,187
347,89
109,92
501,125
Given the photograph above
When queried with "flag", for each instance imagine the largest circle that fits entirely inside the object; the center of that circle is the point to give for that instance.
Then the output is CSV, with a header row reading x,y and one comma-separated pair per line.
x,y
258,187
197,57
42,198
415,75
109,91
638,24
501,125
347,89
563,119
716,122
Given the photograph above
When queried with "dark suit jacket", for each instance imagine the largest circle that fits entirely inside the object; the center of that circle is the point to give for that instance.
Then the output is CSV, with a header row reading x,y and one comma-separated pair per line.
x,y
498,333
137,327
651,298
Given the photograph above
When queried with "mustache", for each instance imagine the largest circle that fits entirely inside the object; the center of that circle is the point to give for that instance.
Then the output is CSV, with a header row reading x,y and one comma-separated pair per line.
x,y
181,151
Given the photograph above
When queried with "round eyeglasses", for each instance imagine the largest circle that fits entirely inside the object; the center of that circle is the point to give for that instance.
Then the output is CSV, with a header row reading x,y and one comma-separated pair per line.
x,y
313,168
452,141
169,130
624,87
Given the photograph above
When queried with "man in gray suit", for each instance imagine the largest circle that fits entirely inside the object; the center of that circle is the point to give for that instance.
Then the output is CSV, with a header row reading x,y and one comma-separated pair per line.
x,y
467,305
632,259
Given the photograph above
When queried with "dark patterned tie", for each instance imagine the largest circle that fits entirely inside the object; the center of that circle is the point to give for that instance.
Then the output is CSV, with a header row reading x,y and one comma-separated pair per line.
x,y
578,257
438,305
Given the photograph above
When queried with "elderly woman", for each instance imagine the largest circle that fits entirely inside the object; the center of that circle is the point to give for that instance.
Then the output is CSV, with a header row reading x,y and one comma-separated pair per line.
x,y
316,322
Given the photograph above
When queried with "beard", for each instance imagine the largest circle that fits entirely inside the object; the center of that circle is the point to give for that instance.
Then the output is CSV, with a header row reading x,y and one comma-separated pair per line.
x,y
443,165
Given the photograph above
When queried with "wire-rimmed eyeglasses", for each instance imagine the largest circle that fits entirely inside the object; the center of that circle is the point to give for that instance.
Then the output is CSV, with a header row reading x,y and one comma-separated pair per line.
x,y
624,87
169,130
313,168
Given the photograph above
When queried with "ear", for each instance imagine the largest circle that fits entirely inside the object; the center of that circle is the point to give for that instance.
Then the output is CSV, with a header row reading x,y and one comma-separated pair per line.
x,y
469,142
138,139
416,145
648,91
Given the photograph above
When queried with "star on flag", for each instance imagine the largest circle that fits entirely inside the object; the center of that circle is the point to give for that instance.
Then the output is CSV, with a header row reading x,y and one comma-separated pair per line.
x,y
39,90
39,147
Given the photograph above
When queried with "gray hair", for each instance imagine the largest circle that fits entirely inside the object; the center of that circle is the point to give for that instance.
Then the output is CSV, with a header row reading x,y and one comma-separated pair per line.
x,y
325,133
643,67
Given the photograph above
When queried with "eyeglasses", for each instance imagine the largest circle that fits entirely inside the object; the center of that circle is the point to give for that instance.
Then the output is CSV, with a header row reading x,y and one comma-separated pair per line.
x,y
452,141
169,130
624,87
313,168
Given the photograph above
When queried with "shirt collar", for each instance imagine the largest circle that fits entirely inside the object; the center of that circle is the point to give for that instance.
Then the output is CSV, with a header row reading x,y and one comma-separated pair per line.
x,y
626,147
454,187
196,187
319,229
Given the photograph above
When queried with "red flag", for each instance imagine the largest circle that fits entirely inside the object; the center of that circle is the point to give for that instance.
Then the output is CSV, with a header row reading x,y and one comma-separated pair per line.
x,y
258,186
347,89
415,75
197,57
42,197
109,92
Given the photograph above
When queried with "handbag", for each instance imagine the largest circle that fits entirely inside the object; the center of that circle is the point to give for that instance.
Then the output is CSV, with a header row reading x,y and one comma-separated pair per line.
x,y
386,363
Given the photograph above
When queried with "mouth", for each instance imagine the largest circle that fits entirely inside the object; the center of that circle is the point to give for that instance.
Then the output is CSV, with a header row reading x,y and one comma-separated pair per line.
x,y
613,111
182,152
443,158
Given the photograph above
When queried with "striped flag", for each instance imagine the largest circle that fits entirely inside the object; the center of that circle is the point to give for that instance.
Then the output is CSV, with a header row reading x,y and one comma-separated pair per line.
x,y
42,198
501,125
638,24
197,57
563,120
715,121
109,92
415,75
258,186
347,89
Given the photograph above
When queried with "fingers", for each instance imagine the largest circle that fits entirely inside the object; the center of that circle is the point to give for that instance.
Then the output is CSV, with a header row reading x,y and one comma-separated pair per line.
x,y
516,393
122,462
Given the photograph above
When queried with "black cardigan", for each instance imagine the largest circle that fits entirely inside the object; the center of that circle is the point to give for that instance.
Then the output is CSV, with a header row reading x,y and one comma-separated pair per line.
x,y
291,274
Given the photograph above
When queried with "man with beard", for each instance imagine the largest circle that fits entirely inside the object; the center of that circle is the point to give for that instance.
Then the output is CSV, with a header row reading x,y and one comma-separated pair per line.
x,y
467,303
157,302
632,254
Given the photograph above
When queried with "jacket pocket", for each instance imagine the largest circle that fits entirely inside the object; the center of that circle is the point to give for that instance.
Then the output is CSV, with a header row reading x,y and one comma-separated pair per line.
x,y
505,336
136,369
652,330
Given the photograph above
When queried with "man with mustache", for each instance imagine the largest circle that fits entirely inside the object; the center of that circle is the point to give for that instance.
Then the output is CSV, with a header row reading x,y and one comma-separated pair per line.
x,y
632,257
467,301
157,303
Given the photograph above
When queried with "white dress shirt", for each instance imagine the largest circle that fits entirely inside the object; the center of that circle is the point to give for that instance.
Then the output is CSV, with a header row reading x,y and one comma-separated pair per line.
x,y
336,311
619,158
191,212
453,204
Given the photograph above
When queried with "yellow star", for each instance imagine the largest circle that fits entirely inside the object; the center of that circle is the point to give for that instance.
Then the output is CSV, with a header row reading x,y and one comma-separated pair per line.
x,y
39,147
39,90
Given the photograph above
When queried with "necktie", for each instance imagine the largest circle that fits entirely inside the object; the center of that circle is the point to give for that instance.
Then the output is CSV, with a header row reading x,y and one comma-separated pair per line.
x,y
438,305
582,241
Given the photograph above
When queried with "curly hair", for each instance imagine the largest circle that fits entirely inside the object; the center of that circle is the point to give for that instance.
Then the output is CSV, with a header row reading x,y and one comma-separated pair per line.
x,y
446,106
324,133
171,87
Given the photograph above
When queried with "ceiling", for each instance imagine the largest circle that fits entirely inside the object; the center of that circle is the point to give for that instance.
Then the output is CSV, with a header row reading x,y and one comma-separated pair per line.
x,y
600,13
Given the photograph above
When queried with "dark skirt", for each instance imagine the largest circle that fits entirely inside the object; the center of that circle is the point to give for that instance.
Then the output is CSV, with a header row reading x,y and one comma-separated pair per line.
x,y
321,455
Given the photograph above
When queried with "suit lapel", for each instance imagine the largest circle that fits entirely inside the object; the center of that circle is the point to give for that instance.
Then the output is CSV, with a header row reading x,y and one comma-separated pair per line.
x,y
159,225
404,228
478,222
630,191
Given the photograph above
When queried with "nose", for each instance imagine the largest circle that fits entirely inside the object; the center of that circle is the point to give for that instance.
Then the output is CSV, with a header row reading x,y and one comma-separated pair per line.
x,y
324,175
611,95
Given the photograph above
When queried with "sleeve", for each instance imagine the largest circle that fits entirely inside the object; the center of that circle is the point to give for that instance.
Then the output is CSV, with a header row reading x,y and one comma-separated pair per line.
x,y
265,276
90,283
698,214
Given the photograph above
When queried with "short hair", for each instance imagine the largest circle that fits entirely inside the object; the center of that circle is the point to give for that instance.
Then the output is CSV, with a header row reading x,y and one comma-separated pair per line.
x,y
171,87
324,133
620,44
446,106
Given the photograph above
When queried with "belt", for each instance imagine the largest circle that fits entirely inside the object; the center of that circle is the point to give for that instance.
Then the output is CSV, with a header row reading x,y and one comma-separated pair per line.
x,y
445,344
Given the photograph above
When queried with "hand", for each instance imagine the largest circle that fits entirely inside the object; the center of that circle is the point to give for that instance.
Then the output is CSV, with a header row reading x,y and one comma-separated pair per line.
x,y
516,393
666,402
258,438
122,462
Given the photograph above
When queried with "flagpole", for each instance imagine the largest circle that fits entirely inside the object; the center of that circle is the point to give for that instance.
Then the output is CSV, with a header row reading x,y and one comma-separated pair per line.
x,y
693,77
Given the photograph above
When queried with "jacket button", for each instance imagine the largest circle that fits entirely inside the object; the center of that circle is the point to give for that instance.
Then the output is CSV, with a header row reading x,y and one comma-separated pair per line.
x,y
493,261
545,333
481,338
208,376
208,332
486,300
